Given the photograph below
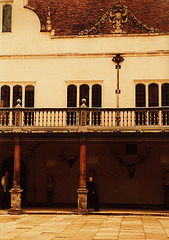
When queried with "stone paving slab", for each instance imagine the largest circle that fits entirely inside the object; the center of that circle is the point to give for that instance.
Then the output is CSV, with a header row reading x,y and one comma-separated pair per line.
x,y
83,227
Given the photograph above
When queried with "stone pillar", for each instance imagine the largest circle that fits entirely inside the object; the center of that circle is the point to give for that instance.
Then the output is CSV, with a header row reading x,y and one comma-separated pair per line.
x,y
16,190
82,190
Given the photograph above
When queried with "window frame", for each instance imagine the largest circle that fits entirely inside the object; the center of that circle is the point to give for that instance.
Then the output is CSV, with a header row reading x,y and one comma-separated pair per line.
x,y
3,19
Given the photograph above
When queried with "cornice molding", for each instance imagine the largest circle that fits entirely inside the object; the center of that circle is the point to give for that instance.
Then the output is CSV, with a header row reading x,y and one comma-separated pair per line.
x,y
85,55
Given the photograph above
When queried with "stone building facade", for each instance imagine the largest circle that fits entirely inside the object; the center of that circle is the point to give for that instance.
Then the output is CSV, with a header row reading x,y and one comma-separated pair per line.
x,y
92,79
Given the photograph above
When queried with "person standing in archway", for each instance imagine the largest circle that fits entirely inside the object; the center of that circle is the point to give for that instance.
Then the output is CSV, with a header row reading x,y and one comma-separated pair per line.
x,y
5,200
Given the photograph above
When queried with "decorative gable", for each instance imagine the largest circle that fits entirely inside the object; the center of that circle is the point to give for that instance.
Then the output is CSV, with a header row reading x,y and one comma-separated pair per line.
x,y
119,16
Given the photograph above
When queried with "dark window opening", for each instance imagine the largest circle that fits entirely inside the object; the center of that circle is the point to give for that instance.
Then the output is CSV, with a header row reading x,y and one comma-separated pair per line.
x,y
29,96
71,96
153,95
165,94
84,93
140,95
96,95
17,94
5,96
6,19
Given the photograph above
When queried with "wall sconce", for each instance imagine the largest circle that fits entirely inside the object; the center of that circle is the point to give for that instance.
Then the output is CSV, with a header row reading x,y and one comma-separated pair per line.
x,y
118,59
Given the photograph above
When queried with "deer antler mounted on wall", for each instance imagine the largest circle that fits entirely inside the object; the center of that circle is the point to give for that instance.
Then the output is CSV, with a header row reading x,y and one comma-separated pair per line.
x,y
69,162
131,166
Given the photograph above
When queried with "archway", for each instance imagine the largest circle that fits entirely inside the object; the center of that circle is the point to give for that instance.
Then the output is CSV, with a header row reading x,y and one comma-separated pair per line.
x,y
8,165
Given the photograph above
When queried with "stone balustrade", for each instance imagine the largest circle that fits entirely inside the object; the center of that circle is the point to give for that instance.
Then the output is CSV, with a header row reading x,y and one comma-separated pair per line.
x,y
97,118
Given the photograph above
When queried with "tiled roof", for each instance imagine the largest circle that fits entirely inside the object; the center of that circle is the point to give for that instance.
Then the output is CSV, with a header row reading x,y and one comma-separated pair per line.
x,y
71,17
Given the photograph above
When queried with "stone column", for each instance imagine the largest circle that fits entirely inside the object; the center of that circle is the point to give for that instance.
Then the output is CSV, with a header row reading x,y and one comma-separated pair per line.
x,y
16,190
82,190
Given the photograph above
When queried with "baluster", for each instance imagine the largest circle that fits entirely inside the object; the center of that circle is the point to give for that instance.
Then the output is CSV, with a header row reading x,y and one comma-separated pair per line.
x,y
32,119
139,118
113,118
123,118
127,119
74,118
154,118
90,118
10,118
93,118
105,118
35,118
50,118
47,118
166,118
130,118
43,120
97,119
160,118
39,119
58,119
0,118
133,119
54,119
62,118
110,118
4,118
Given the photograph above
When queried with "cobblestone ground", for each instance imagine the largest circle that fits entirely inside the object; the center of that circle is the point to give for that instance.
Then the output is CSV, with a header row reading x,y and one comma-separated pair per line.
x,y
74,227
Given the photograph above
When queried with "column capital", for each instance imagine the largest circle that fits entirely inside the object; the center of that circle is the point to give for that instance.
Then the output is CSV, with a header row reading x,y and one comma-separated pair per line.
x,y
83,140
17,141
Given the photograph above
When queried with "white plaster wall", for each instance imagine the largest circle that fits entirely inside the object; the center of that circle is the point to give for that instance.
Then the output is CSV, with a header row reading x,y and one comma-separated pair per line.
x,y
52,75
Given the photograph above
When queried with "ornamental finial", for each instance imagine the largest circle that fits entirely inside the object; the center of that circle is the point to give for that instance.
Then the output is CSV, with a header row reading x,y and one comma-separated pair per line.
x,y
49,22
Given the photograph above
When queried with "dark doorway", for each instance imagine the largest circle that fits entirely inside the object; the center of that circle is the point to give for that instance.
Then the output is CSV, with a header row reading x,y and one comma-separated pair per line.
x,y
8,165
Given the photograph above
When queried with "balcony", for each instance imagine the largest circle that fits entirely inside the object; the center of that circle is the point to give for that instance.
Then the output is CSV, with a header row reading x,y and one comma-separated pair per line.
x,y
84,119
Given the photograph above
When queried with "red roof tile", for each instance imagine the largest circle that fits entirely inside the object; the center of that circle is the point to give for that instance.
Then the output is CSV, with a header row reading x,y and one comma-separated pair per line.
x,y
70,17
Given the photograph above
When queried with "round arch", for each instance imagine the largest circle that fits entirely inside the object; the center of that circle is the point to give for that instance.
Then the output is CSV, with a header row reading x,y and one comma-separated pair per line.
x,y
8,165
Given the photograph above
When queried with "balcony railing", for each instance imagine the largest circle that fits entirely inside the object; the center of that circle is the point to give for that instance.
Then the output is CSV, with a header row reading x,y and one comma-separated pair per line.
x,y
101,118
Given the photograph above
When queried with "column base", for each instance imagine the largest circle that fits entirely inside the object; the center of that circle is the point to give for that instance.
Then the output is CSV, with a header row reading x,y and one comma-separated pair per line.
x,y
82,201
15,201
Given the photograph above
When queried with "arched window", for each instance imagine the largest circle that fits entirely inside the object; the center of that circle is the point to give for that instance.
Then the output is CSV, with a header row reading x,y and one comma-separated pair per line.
x,y
5,96
6,19
29,96
165,94
72,96
84,93
96,95
153,95
140,95
17,94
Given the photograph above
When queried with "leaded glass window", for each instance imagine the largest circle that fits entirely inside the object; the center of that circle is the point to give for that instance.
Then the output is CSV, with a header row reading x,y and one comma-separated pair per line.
x,y
72,96
96,95
140,95
17,94
5,96
6,19
153,95
84,93
29,96
165,94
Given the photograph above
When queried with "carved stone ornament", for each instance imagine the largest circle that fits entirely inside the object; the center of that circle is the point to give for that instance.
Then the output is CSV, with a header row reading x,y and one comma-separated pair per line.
x,y
118,16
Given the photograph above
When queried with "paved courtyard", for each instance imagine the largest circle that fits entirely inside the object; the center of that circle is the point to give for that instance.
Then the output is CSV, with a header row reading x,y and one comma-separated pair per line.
x,y
86,227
